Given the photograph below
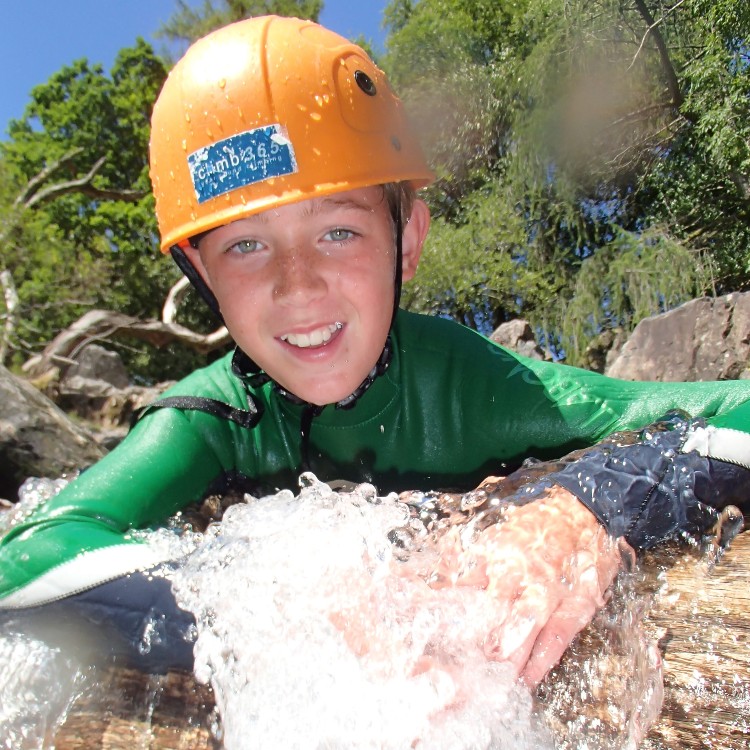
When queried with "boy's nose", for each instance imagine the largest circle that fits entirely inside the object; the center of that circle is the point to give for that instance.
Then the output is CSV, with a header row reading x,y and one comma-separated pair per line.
x,y
298,279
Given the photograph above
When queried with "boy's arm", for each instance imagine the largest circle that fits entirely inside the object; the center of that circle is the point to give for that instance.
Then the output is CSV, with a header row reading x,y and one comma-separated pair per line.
x,y
572,537
671,483
77,565
84,535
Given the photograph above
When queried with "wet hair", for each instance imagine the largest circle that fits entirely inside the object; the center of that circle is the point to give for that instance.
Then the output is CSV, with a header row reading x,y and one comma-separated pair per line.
x,y
400,197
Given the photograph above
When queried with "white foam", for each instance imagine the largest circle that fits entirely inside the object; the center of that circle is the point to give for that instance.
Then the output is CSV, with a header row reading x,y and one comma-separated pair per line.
x,y
313,635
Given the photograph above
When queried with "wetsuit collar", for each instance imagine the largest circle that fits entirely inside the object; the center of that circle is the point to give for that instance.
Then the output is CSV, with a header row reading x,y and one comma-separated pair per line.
x,y
249,372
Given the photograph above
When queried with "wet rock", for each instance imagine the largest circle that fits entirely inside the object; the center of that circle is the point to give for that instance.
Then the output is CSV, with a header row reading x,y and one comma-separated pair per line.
x,y
603,350
704,339
37,439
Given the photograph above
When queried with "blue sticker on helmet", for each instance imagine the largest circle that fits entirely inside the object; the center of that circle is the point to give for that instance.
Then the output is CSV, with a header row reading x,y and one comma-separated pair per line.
x,y
241,160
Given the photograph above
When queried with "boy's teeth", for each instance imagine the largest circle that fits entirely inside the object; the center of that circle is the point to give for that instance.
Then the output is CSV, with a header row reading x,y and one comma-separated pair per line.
x,y
314,338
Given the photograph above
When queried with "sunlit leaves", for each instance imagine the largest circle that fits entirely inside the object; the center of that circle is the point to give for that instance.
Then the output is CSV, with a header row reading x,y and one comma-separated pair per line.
x,y
619,131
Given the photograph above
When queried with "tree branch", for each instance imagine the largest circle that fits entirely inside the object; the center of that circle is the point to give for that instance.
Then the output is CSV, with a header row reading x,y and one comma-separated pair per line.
x,y
99,324
11,303
174,297
673,84
27,193
83,185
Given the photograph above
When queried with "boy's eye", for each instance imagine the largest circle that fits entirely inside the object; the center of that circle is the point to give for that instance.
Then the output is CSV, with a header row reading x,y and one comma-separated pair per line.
x,y
339,234
244,247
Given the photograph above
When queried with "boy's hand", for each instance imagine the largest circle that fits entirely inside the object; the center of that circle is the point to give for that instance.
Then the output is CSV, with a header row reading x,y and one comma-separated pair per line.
x,y
550,562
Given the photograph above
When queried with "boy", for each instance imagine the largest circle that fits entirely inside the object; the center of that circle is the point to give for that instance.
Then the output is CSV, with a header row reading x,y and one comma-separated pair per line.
x,y
284,173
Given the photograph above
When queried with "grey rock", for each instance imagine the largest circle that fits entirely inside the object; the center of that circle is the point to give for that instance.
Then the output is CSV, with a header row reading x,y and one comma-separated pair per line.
x,y
704,339
37,439
518,336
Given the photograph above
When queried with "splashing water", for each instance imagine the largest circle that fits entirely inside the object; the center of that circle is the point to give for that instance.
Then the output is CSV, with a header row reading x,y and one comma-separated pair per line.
x,y
38,686
312,638
317,629
39,683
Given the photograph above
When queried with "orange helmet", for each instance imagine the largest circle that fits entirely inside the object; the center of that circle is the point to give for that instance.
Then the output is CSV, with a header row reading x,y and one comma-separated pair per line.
x,y
269,111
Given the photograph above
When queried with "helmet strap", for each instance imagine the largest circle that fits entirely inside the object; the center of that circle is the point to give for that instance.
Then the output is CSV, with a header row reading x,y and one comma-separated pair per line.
x,y
184,264
398,280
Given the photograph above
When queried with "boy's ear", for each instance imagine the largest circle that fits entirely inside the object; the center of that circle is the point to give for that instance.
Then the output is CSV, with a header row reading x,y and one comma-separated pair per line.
x,y
415,232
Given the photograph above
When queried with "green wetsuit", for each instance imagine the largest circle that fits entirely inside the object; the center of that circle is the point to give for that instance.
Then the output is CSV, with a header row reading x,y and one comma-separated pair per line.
x,y
452,408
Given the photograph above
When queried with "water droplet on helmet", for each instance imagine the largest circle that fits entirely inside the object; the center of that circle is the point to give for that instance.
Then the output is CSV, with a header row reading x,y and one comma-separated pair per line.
x,y
222,83
315,116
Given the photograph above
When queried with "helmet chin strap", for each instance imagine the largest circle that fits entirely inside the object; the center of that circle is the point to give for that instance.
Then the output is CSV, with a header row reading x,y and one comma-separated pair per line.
x,y
244,367
184,264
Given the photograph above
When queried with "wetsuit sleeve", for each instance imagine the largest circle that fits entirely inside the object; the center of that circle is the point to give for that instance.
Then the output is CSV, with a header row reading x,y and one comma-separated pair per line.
x,y
85,536
672,483
133,618
595,406
78,565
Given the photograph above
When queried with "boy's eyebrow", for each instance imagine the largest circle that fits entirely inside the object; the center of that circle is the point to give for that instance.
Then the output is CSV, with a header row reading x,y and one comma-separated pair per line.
x,y
317,207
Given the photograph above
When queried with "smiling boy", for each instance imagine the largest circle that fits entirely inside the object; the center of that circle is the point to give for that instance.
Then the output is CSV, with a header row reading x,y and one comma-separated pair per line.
x,y
285,172
306,287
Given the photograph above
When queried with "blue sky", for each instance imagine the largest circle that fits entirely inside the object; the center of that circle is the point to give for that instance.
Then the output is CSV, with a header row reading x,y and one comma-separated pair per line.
x,y
40,36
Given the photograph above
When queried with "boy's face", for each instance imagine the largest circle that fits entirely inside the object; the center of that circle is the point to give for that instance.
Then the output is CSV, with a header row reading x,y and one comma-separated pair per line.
x,y
306,290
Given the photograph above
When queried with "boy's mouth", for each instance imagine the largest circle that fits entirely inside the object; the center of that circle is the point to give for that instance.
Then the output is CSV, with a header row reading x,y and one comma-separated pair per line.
x,y
318,337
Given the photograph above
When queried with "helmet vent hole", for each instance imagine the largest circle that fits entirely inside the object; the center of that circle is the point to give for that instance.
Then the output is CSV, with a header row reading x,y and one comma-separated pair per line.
x,y
365,82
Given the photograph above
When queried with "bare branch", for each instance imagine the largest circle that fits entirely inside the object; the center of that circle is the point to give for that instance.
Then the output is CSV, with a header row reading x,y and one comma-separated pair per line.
x,y
673,84
28,191
174,297
30,197
99,324
11,303
83,185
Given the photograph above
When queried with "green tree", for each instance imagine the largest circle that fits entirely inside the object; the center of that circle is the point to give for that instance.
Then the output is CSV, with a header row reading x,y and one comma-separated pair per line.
x,y
189,22
616,133
78,226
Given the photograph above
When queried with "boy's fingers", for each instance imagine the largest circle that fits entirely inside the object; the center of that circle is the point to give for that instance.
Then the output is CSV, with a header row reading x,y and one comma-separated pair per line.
x,y
553,640
595,569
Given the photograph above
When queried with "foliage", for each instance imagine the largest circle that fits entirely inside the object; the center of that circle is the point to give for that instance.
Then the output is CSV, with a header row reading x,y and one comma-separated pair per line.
x,y
189,23
85,235
592,162
455,278
615,132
